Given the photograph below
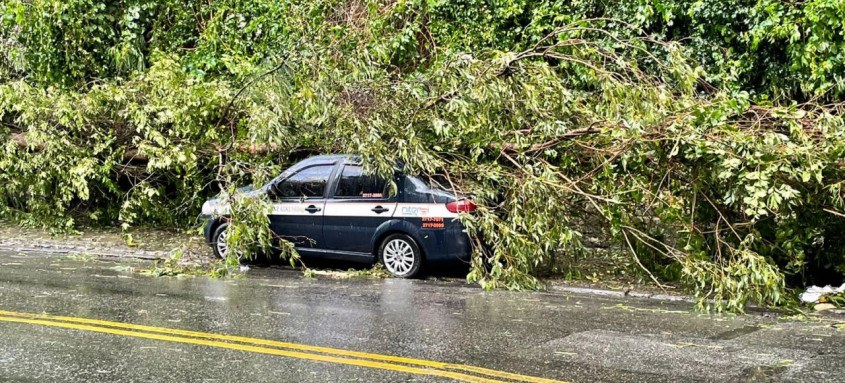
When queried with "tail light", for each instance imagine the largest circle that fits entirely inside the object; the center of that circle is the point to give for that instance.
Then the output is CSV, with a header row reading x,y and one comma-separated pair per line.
x,y
462,206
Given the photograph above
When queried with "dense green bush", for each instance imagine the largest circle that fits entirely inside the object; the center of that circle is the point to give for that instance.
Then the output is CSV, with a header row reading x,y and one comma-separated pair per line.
x,y
706,136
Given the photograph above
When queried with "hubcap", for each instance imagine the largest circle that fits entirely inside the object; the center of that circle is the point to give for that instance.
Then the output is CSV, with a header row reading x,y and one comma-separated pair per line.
x,y
222,246
398,257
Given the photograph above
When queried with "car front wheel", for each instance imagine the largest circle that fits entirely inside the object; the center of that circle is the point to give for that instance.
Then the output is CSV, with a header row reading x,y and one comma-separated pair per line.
x,y
220,246
401,256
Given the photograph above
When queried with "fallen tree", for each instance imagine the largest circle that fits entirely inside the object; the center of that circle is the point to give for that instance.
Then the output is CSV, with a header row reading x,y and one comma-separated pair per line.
x,y
735,196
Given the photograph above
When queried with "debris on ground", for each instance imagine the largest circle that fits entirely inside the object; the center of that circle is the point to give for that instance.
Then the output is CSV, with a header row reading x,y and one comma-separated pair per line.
x,y
816,294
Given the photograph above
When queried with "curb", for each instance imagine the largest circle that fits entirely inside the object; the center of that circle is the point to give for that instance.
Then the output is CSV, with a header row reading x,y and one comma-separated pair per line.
x,y
620,293
837,313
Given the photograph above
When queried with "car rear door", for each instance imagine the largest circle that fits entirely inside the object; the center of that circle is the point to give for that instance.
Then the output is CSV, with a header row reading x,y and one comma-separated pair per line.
x,y
359,204
298,206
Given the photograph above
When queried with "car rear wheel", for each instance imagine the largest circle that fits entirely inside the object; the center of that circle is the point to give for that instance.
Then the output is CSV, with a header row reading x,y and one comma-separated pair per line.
x,y
401,256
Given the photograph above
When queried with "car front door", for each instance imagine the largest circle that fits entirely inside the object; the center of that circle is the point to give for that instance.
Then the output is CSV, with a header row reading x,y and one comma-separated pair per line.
x,y
358,205
298,206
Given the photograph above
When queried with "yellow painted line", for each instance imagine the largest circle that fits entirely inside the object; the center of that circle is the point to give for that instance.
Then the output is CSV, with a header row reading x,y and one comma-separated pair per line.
x,y
293,346
256,349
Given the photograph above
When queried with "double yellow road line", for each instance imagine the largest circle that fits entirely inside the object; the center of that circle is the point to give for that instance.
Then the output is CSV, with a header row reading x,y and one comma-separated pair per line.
x,y
458,372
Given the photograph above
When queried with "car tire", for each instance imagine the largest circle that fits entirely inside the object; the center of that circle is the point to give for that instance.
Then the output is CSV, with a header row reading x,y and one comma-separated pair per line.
x,y
401,256
218,239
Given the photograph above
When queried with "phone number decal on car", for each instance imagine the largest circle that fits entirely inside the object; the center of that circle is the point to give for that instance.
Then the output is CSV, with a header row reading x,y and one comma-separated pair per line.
x,y
433,223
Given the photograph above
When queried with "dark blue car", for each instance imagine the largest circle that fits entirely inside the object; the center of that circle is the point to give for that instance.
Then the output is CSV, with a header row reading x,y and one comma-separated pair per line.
x,y
328,207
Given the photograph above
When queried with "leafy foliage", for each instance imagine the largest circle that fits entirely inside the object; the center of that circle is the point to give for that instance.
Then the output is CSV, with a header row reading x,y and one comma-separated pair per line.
x,y
705,136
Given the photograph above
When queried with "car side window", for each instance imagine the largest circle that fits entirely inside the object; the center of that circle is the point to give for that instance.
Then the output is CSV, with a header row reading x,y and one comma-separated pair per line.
x,y
309,183
354,183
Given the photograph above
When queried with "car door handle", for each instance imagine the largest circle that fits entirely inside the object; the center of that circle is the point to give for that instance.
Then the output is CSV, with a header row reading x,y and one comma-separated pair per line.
x,y
379,209
312,209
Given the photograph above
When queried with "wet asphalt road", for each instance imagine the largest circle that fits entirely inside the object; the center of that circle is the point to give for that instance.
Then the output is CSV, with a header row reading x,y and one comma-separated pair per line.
x,y
566,337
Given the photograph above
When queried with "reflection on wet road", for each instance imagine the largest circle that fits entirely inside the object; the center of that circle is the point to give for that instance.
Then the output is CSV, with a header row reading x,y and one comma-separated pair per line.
x,y
66,320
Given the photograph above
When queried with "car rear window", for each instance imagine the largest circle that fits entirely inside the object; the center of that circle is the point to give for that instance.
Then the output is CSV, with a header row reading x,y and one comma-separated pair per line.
x,y
419,189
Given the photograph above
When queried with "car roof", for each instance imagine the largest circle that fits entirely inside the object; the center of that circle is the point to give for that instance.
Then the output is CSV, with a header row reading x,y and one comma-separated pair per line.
x,y
329,158
354,159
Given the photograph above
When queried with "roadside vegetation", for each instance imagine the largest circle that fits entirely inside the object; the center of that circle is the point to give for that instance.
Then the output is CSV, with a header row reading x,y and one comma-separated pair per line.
x,y
702,138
